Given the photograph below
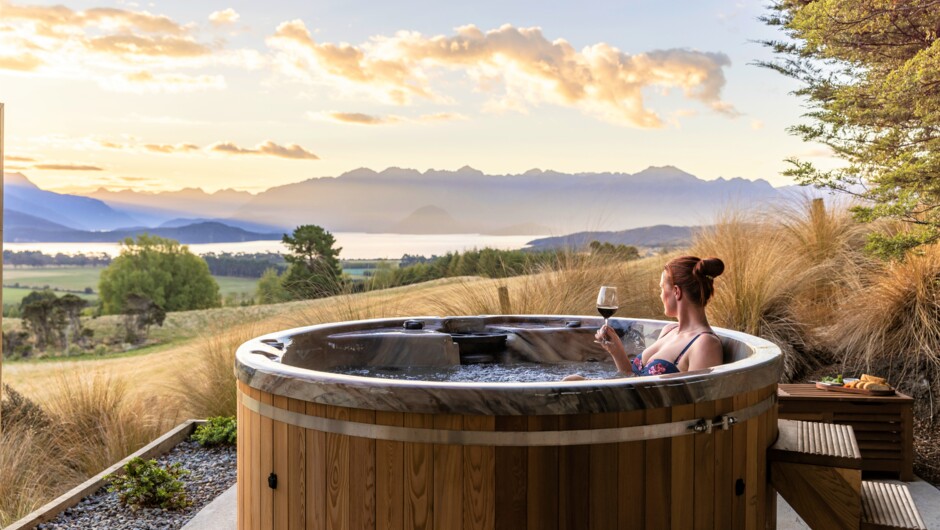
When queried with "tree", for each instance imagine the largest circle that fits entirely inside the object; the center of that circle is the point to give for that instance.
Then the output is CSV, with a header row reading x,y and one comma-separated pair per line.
x,y
270,289
314,265
161,270
140,313
42,317
870,72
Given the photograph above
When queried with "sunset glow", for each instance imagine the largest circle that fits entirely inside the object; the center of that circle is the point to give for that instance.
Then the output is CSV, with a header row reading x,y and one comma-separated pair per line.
x,y
179,94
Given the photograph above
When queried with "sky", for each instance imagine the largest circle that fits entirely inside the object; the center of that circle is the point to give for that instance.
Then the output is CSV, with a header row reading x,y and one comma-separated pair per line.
x,y
159,96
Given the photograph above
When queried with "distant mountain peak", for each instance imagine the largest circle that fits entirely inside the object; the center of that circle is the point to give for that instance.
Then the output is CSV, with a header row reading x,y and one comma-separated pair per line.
x,y
467,169
18,179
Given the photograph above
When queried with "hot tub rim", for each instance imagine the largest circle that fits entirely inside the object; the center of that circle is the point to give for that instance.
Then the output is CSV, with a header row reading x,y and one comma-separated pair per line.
x,y
761,368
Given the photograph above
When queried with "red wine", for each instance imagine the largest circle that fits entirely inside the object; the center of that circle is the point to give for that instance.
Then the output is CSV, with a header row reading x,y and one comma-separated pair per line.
x,y
606,312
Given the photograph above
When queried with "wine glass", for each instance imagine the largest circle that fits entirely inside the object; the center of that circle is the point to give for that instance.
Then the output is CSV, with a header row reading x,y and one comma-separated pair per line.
x,y
607,305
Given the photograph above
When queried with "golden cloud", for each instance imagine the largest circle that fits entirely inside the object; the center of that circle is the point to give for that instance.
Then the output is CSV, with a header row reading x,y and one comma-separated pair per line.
x,y
599,79
111,46
227,16
168,148
154,46
67,167
143,81
268,148
20,159
358,118
26,62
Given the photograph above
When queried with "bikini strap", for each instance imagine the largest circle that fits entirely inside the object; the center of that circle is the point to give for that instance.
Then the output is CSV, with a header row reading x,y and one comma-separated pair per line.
x,y
689,345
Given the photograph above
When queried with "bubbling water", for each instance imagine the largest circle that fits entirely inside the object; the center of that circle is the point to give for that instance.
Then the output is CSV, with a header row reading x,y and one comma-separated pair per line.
x,y
487,372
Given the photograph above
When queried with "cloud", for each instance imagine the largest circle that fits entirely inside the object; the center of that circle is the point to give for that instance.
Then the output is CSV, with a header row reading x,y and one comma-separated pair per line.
x,y
112,46
144,81
23,63
519,65
442,116
757,125
167,148
268,148
67,167
134,46
358,118
20,159
227,16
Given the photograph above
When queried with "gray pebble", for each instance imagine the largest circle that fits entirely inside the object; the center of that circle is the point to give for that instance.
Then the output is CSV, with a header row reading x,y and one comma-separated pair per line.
x,y
212,471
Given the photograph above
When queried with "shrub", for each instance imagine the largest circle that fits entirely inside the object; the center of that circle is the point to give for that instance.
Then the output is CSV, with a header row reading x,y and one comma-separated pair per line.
x,y
145,484
220,430
18,410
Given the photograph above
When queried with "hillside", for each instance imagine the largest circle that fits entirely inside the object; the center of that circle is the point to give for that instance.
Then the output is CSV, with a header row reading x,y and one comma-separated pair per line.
x,y
20,227
658,236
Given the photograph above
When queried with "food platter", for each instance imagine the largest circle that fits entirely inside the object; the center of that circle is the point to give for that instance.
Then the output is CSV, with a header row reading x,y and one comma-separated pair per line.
x,y
835,387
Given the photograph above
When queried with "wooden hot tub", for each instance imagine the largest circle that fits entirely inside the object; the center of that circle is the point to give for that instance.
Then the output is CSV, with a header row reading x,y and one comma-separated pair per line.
x,y
321,450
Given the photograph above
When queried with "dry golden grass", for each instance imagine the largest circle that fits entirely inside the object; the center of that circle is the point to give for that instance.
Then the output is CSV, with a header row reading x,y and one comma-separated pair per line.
x,y
786,268
890,325
28,476
96,421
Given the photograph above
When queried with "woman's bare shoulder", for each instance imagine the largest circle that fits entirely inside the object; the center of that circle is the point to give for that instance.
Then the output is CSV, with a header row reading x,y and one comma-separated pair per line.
x,y
669,327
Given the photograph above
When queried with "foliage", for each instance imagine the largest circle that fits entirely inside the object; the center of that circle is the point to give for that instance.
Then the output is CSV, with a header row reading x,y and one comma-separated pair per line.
x,y
488,262
17,410
270,289
35,258
621,251
314,270
244,265
219,430
54,321
140,313
869,72
161,270
144,483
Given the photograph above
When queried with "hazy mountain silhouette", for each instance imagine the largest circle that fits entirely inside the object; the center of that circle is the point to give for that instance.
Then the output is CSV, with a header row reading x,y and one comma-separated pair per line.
x,y
462,201
427,220
21,227
364,200
156,208
649,236
73,211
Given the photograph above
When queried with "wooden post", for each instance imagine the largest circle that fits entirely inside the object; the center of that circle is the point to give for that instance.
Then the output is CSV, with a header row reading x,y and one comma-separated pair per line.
x,y
504,306
1,247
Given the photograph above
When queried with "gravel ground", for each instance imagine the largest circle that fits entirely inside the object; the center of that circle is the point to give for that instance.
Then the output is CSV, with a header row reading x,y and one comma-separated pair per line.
x,y
212,471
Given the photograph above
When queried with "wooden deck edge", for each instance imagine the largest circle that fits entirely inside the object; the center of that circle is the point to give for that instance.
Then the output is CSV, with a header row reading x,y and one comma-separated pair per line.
x,y
72,497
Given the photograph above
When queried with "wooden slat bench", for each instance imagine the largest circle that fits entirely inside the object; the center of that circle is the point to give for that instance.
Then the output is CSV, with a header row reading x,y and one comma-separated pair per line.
x,y
883,425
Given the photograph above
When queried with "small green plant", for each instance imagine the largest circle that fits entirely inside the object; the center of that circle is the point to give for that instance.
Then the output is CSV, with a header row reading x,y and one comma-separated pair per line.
x,y
144,483
220,430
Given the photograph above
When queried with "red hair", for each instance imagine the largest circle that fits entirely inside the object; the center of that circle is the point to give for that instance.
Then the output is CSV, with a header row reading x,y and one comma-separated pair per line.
x,y
695,276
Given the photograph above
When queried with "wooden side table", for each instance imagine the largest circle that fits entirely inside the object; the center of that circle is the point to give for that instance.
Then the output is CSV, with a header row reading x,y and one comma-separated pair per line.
x,y
883,425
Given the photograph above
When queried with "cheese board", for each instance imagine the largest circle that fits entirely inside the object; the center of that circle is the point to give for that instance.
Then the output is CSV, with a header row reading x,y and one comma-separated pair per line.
x,y
833,387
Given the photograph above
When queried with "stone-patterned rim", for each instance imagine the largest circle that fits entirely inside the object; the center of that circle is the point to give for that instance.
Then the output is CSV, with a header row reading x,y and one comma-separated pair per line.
x,y
258,365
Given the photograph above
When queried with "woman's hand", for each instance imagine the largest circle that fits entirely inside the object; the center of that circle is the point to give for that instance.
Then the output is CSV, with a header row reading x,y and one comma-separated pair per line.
x,y
609,340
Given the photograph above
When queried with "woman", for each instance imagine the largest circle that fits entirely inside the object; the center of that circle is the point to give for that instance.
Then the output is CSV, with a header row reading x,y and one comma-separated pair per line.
x,y
686,285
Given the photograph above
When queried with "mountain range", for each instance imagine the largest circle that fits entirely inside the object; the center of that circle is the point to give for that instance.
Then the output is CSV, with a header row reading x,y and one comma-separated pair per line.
x,y
394,200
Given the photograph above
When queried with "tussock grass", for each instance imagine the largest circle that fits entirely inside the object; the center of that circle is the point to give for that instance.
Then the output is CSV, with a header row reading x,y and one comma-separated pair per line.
x,y
786,269
570,287
207,388
97,423
88,423
890,325
28,476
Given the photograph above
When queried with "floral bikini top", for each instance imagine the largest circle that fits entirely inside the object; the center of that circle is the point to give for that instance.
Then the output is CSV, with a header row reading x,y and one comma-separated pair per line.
x,y
662,366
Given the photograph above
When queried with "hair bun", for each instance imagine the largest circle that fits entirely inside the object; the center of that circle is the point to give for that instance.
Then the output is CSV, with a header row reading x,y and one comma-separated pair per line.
x,y
709,268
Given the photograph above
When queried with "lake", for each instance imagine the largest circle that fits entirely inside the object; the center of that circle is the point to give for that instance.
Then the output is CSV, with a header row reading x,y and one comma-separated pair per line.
x,y
355,245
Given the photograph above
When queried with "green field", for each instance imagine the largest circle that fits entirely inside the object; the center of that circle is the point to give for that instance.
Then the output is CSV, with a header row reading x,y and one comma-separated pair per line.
x,y
80,278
